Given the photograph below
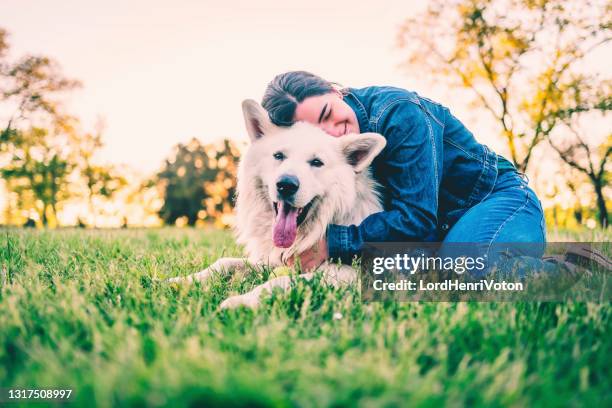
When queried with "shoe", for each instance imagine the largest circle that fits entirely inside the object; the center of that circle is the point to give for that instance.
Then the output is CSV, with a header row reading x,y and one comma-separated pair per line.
x,y
573,268
586,257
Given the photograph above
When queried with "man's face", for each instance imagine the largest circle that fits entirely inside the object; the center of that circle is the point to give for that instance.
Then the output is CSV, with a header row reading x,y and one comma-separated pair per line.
x,y
328,112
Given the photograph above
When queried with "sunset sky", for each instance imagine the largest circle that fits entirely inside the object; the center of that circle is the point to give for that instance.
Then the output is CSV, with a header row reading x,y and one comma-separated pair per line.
x,y
159,72
162,72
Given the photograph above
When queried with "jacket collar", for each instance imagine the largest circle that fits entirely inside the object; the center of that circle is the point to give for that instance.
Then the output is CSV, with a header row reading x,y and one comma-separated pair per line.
x,y
358,108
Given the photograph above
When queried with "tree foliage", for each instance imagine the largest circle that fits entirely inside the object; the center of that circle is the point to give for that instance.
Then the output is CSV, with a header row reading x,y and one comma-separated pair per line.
x,y
520,59
100,181
31,90
39,167
199,183
592,161
44,154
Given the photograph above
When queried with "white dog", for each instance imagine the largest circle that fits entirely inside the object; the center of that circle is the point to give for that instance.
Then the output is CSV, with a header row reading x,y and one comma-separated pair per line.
x,y
293,182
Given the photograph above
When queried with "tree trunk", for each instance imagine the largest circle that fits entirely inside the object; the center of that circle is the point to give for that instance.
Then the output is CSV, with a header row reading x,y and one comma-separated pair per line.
x,y
43,215
191,220
91,207
54,210
601,205
578,214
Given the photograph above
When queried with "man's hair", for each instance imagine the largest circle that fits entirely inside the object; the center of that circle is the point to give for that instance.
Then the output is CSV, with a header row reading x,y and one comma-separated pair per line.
x,y
287,90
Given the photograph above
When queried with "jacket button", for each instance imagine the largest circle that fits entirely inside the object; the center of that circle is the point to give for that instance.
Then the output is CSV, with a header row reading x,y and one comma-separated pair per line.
x,y
444,227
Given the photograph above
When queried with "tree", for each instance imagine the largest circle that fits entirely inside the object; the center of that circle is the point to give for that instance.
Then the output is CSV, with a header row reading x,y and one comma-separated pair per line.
x,y
42,148
35,130
40,167
516,57
592,161
579,103
29,91
199,182
222,190
101,181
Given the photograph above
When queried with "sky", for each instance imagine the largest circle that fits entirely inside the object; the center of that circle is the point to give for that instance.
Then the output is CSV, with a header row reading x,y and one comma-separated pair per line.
x,y
160,73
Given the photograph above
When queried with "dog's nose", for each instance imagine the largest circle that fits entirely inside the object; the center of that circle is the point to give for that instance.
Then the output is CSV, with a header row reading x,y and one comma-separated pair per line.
x,y
287,186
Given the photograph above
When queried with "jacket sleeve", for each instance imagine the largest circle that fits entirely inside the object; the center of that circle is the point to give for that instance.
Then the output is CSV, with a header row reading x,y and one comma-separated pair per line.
x,y
408,171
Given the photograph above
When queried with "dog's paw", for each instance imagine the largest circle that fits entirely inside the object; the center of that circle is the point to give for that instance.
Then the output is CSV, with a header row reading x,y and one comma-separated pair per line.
x,y
245,300
178,280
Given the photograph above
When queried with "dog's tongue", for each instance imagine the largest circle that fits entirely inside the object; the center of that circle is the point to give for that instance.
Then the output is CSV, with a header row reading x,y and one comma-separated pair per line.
x,y
285,225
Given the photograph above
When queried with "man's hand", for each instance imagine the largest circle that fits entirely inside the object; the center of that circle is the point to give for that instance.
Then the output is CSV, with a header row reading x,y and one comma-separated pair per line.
x,y
312,258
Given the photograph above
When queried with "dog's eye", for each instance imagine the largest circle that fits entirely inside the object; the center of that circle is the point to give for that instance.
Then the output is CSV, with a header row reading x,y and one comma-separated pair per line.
x,y
316,163
279,156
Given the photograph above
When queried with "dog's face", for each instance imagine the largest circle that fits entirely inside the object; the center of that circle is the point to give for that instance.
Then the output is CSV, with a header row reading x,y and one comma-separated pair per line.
x,y
303,169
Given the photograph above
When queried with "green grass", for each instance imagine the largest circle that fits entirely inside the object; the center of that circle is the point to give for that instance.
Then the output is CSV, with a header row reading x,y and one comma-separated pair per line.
x,y
85,310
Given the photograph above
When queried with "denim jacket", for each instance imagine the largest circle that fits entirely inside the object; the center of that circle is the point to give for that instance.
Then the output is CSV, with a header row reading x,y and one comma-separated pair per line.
x,y
432,170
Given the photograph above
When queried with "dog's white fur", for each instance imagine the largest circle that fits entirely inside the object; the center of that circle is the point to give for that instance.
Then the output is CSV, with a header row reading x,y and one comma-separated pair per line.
x,y
341,191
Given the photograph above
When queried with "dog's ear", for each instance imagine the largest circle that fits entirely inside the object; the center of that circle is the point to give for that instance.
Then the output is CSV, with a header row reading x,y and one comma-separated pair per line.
x,y
256,119
361,149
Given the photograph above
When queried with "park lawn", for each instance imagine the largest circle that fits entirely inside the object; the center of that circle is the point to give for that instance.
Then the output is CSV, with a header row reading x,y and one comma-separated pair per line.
x,y
85,310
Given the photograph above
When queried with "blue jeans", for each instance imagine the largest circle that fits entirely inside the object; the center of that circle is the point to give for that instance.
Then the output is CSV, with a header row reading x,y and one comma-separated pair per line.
x,y
512,213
